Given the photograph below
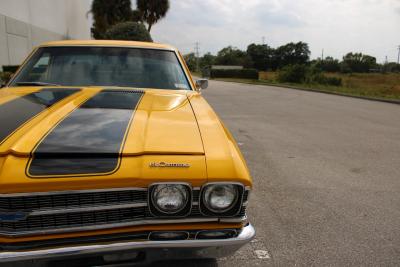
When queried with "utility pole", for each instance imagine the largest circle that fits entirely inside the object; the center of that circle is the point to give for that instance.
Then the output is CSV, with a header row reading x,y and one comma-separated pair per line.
x,y
398,56
322,57
263,40
197,54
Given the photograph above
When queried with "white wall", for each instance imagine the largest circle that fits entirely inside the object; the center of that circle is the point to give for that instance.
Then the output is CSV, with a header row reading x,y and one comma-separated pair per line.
x,y
25,24
79,21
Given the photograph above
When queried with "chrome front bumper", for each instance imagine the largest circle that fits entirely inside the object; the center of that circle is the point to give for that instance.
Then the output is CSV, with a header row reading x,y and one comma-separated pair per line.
x,y
152,250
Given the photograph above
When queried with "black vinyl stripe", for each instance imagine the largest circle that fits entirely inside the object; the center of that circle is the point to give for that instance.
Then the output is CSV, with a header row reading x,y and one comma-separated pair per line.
x,y
90,140
17,112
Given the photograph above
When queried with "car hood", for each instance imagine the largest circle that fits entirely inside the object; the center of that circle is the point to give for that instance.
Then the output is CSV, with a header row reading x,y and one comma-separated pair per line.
x,y
96,122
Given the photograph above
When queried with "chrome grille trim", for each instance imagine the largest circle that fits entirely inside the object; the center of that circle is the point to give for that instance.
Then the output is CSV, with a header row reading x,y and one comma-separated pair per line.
x,y
32,194
116,225
234,220
88,208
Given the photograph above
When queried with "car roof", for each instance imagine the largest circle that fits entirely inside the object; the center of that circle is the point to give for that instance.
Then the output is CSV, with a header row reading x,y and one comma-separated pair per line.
x,y
113,43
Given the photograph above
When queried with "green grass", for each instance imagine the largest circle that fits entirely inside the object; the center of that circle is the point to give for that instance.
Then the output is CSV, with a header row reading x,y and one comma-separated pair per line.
x,y
378,86
196,74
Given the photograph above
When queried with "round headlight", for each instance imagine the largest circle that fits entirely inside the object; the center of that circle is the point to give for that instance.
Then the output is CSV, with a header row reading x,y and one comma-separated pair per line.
x,y
170,198
220,198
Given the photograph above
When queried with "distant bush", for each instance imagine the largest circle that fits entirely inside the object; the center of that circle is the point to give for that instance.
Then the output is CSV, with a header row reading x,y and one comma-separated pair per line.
x,y
358,63
345,68
329,64
5,77
391,67
206,71
292,74
305,74
10,68
241,74
325,80
129,31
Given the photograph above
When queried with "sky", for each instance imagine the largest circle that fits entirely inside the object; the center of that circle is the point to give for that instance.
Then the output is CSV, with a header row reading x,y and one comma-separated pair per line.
x,y
335,26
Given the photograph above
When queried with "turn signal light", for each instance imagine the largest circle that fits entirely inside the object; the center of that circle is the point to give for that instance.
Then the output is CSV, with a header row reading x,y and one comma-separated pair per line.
x,y
165,236
218,234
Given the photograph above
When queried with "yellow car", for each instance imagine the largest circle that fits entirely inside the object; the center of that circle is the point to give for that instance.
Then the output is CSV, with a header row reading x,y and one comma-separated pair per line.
x,y
109,153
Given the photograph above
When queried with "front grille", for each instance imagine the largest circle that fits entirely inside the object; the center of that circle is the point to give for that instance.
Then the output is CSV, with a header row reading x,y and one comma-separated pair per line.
x,y
63,200
45,213
89,218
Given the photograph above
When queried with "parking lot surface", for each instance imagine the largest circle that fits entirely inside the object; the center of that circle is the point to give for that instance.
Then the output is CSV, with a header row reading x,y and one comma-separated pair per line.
x,y
326,171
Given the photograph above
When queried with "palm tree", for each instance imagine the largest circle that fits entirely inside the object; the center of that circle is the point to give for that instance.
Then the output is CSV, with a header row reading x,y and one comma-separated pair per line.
x,y
152,10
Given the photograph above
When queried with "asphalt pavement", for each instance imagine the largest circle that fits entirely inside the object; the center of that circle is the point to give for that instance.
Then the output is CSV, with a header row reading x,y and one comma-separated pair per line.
x,y
326,173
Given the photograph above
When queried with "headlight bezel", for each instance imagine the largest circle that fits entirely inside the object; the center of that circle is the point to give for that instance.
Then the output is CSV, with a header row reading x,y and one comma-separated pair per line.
x,y
155,211
232,211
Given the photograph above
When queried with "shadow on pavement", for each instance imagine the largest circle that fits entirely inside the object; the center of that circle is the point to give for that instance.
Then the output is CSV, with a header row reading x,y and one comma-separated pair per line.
x,y
185,263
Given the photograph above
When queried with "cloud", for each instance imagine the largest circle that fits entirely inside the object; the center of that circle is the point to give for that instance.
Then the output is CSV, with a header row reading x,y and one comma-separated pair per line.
x,y
338,26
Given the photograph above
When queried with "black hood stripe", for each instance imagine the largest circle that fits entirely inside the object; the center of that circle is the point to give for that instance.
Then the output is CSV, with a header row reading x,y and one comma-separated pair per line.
x,y
17,112
90,140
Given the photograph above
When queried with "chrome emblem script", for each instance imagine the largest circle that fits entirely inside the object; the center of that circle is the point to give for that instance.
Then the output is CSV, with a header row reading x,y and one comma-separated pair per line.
x,y
168,165
13,216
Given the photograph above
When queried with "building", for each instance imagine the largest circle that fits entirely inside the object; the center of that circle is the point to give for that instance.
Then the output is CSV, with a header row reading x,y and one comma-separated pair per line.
x,y
25,24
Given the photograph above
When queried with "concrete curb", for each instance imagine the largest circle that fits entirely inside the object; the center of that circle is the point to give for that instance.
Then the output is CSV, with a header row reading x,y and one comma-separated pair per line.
x,y
391,101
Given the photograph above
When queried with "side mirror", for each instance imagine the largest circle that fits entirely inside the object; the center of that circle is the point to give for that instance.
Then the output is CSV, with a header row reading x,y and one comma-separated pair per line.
x,y
201,84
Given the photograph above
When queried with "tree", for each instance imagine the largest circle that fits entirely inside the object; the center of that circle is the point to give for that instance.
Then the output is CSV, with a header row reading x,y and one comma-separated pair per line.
x,y
107,13
261,56
292,74
130,31
233,56
369,62
207,60
152,11
191,61
329,64
291,54
357,62
391,67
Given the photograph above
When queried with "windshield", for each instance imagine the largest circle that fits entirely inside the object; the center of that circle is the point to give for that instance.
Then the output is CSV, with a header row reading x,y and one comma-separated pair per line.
x,y
103,66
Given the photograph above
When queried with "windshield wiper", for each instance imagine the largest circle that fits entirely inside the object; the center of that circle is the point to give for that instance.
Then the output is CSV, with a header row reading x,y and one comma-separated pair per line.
x,y
37,84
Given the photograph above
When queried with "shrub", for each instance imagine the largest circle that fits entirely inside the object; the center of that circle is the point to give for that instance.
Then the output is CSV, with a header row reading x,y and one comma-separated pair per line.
x,y
5,77
292,74
130,31
10,68
345,68
242,74
322,79
206,71
304,74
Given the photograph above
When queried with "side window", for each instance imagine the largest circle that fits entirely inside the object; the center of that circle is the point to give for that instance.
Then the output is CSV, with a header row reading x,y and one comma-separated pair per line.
x,y
39,70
